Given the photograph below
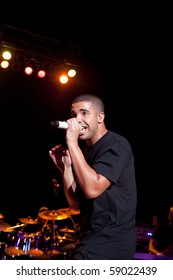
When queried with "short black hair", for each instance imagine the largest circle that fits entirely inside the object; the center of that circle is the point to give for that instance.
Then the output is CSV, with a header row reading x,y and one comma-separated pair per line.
x,y
90,98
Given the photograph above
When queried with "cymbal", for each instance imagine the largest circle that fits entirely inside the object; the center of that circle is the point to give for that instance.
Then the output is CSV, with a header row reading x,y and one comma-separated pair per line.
x,y
1,216
70,211
64,238
4,227
66,230
53,215
28,220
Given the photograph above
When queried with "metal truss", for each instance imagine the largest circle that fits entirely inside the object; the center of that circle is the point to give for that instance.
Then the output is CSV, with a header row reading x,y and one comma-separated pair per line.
x,y
42,48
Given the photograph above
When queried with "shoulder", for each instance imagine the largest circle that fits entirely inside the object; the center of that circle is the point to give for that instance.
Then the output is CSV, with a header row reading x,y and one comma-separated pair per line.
x,y
119,141
117,137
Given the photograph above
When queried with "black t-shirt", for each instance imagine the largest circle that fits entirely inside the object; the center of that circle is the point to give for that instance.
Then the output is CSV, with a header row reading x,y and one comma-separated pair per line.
x,y
108,221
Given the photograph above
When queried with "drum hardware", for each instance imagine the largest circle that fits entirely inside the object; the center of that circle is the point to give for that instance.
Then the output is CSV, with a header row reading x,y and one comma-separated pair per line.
x,y
27,239
53,215
23,243
65,238
8,230
53,251
66,230
28,220
4,227
24,246
35,252
21,225
13,251
75,226
70,211
46,229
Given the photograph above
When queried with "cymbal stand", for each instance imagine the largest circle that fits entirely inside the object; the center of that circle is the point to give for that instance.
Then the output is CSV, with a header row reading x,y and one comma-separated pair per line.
x,y
16,226
26,239
53,237
20,234
75,226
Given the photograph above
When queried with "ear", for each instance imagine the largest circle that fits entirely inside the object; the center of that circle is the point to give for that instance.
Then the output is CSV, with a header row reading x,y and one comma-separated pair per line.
x,y
101,117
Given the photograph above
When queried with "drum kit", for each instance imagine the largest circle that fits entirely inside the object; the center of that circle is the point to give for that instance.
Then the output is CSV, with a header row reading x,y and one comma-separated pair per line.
x,y
30,240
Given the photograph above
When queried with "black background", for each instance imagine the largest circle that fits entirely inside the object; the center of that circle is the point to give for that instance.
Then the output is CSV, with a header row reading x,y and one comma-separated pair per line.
x,y
124,59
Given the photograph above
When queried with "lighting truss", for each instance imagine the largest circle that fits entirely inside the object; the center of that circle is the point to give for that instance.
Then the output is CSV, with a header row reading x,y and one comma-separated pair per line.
x,y
28,46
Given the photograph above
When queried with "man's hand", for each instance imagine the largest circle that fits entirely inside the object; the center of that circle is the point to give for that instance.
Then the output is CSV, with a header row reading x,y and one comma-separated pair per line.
x,y
60,157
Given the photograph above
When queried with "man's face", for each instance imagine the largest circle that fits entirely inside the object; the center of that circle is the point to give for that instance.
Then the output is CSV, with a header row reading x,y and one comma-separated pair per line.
x,y
87,117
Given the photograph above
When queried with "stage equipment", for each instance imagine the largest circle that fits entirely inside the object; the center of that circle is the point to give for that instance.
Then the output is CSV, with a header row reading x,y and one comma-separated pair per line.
x,y
53,215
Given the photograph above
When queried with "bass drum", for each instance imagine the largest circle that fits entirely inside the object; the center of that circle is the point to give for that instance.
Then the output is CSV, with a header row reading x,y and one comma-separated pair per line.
x,y
13,253
35,253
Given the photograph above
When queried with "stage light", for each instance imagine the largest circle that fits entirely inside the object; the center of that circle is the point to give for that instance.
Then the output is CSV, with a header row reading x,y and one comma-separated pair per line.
x,y
4,64
61,71
6,55
71,73
41,74
63,79
28,70
23,49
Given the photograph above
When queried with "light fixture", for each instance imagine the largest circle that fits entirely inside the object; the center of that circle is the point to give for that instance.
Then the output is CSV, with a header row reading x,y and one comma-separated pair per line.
x,y
41,73
28,70
71,73
40,66
6,55
4,64
63,79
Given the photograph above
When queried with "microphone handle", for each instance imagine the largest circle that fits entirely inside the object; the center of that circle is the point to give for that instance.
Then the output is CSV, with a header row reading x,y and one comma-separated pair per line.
x,y
60,124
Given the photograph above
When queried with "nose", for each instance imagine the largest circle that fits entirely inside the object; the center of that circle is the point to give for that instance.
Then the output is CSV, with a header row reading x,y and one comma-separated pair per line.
x,y
78,118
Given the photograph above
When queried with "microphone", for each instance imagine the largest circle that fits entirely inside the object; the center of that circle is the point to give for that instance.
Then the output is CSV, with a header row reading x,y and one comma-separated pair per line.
x,y
60,124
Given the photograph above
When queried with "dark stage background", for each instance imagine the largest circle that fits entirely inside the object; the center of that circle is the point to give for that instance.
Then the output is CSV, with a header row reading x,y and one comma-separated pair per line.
x,y
124,61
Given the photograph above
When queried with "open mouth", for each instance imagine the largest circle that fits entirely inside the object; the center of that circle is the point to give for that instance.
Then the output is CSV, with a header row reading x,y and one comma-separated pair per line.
x,y
82,128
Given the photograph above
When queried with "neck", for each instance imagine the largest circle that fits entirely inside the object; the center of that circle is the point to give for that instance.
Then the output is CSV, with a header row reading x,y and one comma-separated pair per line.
x,y
99,135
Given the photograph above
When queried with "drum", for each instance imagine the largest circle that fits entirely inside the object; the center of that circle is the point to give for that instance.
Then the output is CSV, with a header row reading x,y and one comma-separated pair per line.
x,y
19,245
35,252
27,241
13,252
